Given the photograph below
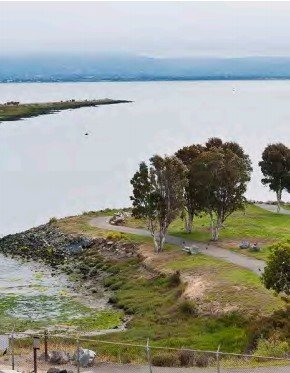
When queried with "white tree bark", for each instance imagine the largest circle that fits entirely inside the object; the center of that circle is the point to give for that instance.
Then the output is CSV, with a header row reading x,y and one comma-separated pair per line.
x,y
188,222
279,197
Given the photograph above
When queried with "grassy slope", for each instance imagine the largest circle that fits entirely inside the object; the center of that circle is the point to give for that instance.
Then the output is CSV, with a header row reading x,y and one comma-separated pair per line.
x,y
253,224
16,112
230,296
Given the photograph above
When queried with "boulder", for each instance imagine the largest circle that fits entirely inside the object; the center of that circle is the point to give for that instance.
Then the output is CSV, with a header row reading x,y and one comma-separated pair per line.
x,y
86,357
58,357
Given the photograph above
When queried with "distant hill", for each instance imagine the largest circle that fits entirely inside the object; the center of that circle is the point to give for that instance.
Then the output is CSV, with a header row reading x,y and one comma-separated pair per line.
x,y
133,68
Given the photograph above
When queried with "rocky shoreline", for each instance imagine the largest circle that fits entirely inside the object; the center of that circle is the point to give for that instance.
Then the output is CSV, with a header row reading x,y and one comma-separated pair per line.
x,y
81,258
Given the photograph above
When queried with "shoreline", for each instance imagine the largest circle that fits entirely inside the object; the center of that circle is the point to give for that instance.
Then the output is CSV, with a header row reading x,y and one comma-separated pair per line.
x,y
61,257
14,111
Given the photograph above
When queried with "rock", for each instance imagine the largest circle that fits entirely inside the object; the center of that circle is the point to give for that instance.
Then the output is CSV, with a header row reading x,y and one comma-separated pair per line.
x,y
119,218
58,357
53,370
86,357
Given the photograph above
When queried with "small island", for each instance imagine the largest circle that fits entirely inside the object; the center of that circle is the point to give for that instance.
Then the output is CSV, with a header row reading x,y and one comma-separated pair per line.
x,y
13,110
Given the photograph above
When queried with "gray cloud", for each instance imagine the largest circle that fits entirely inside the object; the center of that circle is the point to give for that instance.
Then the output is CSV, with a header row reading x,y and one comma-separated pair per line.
x,y
151,28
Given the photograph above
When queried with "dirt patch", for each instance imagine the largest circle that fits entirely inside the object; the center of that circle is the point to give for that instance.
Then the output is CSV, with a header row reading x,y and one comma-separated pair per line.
x,y
196,287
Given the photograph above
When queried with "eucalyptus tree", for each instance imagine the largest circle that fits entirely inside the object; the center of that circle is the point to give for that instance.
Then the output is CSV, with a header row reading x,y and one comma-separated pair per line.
x,y
276,274
275,166
223,172
192,202
158,194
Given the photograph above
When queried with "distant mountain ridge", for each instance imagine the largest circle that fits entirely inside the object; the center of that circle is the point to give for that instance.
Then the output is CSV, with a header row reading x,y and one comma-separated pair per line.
x,y
52,68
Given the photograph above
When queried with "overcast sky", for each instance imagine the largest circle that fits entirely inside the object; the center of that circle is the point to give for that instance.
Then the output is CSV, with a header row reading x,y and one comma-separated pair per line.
x,y
154,28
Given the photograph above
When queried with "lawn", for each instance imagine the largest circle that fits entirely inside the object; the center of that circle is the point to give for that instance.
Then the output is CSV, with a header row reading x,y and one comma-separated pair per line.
x,y
254,224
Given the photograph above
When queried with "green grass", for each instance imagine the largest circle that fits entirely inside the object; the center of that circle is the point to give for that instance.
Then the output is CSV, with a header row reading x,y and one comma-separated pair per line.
x,y
154,303
16,112
253,224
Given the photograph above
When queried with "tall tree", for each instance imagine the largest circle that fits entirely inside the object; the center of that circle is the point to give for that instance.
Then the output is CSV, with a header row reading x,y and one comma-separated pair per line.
x,y
222,176
192,205
276,275
158,194
275,166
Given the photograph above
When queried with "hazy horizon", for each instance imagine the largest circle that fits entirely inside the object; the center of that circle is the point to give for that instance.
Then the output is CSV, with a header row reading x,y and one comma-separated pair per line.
x,y
154,29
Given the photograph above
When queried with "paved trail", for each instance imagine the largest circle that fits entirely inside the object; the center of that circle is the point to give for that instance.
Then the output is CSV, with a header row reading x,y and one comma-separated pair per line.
x,y
273,208
252,264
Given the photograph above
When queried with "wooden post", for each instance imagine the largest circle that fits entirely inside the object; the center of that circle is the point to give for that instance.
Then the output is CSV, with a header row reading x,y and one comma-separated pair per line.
x,y
36,342
45,345
148,352
12,351
218,359
78,356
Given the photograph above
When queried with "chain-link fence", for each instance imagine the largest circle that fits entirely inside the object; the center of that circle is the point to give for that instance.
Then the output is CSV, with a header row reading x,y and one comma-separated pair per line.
x,y
61,354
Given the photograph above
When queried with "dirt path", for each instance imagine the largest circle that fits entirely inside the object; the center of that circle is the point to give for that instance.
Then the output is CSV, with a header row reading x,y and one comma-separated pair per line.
x,y
254,265
273,208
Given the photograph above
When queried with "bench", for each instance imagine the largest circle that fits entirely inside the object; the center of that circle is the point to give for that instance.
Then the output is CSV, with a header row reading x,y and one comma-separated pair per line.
x,y
192,250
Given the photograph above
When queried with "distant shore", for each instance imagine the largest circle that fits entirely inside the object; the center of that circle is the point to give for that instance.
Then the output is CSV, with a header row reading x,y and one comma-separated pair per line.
x,y
13,110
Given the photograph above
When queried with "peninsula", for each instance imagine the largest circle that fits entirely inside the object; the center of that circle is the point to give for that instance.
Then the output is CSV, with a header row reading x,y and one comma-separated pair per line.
x,y
13,110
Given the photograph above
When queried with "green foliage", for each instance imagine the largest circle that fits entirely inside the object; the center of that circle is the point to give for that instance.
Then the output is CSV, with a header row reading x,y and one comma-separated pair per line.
x,y
52,221
276,275
272,347
275,166
188,307
158,194
269,327
174,278
115,236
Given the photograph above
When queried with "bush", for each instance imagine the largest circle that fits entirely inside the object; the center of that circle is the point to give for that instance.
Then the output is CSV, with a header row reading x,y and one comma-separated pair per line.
x,y
115,236
174,279
188,307
52,220
202,360
186,358
272,347
165,359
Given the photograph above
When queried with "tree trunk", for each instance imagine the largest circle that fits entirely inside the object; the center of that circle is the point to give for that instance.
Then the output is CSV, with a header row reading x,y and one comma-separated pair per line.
x,y
279,196
215,228
188,222
159,240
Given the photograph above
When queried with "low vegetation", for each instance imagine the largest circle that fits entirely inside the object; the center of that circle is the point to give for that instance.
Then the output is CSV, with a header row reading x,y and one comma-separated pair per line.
x,y
202,301
12,111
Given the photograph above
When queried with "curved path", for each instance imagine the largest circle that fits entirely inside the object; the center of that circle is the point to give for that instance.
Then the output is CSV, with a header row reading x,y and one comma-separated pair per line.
x,y
254,265
273,208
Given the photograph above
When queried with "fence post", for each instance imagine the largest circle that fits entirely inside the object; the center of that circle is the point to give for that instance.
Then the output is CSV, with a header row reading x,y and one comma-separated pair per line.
x,y
36,345
218,360
12,351
45,345
148,353
78,356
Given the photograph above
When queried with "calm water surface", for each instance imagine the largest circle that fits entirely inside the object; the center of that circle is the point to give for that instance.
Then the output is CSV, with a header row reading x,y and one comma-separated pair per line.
x,y
50,168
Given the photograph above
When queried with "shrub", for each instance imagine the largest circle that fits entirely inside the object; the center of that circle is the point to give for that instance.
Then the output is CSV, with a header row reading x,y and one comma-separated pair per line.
x,y
271,347
186,358
202,360
188,307
174,279
52,220
115,236
165,359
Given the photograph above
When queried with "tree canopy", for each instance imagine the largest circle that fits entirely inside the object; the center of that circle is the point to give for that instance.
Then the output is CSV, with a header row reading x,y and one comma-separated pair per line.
x,y
275,166
276,275
158,194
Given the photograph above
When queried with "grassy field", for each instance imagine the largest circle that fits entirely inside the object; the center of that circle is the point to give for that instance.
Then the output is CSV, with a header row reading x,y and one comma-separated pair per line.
x,y
20,111
214,303
254,224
